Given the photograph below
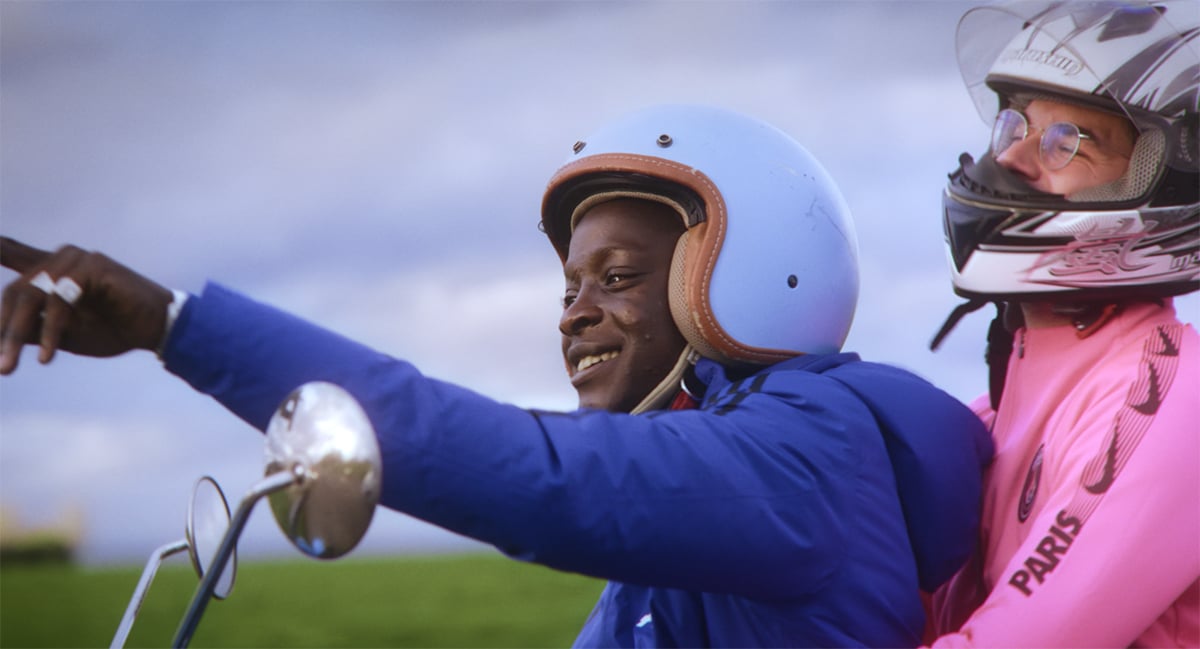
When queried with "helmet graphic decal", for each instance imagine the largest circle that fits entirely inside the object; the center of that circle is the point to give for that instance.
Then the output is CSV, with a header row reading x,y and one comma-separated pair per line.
x,y
1129,252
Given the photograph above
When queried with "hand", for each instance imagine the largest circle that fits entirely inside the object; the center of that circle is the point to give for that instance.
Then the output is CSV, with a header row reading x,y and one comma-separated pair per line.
x,y
117,310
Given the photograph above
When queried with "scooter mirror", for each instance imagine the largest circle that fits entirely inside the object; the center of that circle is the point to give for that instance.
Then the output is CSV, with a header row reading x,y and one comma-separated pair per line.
x,y
207,524
321,434
208,520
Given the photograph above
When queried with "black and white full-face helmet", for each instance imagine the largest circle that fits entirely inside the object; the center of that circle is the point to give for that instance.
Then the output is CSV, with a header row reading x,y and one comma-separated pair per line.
x,y
1136,236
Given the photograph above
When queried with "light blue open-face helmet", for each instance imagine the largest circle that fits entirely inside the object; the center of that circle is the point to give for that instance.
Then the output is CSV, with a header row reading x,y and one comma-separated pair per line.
x,y
767,268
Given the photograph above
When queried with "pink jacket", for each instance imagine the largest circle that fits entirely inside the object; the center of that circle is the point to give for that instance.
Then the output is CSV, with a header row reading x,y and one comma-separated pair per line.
x,y
1091,513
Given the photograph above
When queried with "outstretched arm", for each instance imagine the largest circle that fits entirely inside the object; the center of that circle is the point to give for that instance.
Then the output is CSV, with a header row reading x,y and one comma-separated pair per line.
x,y
114,311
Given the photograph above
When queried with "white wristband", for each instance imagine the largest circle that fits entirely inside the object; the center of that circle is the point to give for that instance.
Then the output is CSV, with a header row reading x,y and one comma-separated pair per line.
x,y
178,298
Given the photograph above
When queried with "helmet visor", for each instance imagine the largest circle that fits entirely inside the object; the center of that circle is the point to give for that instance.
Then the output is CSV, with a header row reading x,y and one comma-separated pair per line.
x,y
987,38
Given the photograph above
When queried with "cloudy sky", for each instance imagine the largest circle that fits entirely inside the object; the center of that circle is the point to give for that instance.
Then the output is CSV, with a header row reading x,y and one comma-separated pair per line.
x,y
377,167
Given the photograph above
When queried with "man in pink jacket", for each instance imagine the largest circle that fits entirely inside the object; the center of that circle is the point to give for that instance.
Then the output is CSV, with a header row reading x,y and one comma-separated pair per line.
x,y
1080,223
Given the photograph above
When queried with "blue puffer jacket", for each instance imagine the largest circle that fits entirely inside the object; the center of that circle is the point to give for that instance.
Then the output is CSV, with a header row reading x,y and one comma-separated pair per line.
x,y
801,506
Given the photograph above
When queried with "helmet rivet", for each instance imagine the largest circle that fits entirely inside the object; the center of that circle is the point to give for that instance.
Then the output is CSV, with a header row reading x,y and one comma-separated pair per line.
x,y
579,146
664,140
793,281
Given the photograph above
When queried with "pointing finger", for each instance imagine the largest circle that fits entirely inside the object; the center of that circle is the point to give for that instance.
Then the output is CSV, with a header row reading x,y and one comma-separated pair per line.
x,y
18,256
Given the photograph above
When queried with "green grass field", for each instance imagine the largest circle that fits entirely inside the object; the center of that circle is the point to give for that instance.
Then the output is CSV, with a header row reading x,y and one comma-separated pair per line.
x,y
440,601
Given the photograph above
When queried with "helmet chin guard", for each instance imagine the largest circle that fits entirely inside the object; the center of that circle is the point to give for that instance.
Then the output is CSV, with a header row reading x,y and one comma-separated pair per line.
x,y
768,266
1036,247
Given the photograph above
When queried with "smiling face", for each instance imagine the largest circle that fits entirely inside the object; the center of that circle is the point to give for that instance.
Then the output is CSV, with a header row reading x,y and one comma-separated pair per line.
x,y
618,339
1103,154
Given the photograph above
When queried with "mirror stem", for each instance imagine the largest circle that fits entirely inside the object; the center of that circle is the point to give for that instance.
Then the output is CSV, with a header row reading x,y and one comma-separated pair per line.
x,y
143,585
268,485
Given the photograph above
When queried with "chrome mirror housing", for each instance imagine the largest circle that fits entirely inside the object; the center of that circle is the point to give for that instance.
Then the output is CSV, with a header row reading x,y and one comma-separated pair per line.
x,y
321,434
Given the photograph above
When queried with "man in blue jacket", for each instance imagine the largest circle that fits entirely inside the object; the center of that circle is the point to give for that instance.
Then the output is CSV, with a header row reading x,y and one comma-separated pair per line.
x,y
737,479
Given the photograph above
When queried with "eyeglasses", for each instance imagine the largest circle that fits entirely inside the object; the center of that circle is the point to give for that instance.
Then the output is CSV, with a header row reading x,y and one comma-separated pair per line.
x,y
1058,146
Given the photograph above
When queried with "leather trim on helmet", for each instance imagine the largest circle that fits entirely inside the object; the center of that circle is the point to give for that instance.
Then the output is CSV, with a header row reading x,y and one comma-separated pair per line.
x,y
704,239
604,173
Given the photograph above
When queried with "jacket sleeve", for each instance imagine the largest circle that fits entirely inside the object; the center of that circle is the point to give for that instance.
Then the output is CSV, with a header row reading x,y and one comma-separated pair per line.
x,y
1117,545
723,500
